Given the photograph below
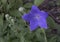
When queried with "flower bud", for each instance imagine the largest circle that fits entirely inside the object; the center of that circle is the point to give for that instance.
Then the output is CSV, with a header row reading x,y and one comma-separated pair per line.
x,y
12,20
21,9
7,15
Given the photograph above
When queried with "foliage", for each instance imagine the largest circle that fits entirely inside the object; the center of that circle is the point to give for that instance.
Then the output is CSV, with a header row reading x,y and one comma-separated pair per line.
x,y
14,29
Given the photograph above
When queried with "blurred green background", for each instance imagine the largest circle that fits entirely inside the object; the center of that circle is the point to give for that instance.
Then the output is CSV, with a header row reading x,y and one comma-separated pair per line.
x,y
14,29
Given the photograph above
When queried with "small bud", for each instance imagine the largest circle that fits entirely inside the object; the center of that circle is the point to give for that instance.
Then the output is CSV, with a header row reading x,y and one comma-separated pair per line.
x,y
12,20
10,17
7,15
9,25
21,9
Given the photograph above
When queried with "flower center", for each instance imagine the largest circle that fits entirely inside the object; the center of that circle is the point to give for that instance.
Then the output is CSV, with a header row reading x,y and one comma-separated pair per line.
x,y
37,17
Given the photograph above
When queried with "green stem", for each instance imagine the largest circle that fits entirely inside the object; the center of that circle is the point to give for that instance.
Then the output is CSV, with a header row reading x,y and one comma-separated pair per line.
x,y
44,35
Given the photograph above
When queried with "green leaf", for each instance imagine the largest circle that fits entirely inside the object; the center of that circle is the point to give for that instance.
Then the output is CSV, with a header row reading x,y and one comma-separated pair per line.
x,y
1,20
28,5
14,4
4,1
40,35
38,2
58,39
2,40
51,22
15,13
53,39
22,39
58,2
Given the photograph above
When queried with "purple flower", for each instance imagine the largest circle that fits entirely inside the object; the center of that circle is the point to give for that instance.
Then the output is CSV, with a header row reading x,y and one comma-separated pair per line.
x,y
36,18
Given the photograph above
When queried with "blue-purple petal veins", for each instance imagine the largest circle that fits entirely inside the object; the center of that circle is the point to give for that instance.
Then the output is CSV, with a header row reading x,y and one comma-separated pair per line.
x,y
36,18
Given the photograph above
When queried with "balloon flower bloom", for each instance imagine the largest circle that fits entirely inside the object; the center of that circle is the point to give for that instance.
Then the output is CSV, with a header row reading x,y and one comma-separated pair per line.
x,y
36,17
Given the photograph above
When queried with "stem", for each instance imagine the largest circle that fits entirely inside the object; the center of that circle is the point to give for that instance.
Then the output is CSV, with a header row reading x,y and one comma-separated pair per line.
x,y
44,35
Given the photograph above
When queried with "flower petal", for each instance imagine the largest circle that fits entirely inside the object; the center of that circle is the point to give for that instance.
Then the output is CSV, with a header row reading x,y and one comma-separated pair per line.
x,y
42,23
33,24
34,9
27,17
44,14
